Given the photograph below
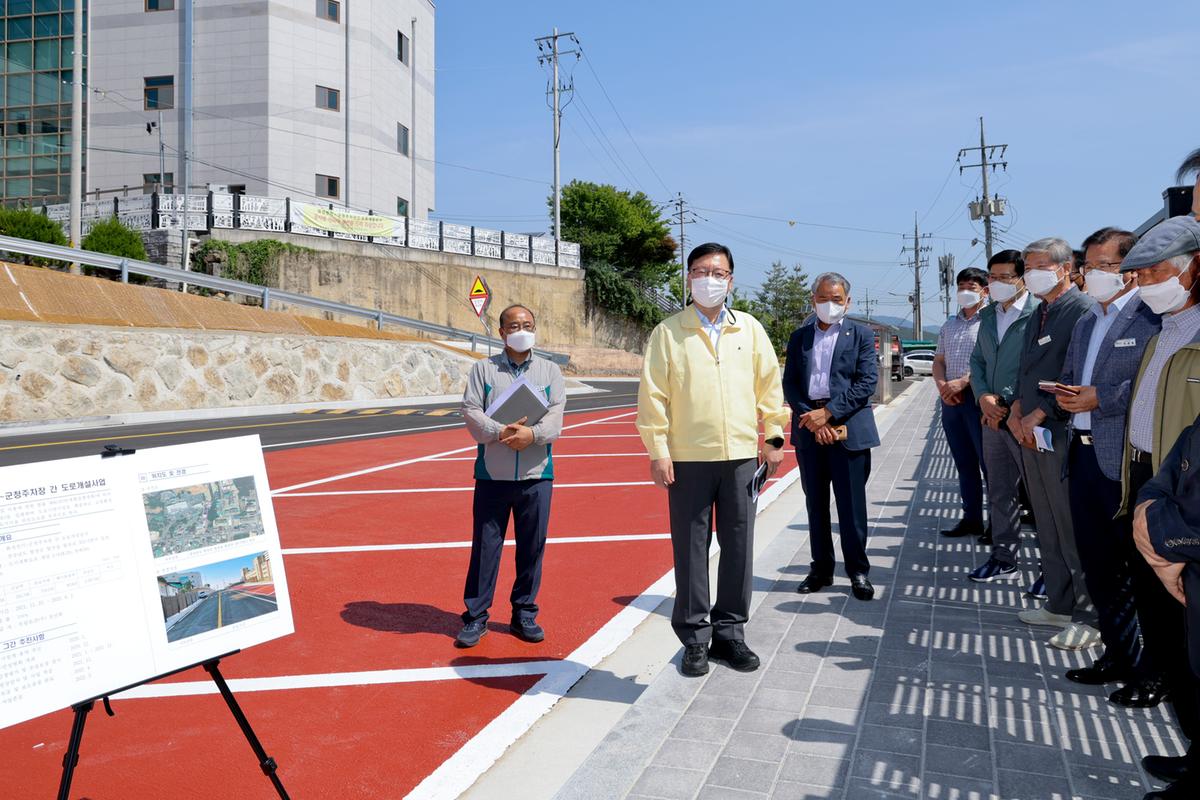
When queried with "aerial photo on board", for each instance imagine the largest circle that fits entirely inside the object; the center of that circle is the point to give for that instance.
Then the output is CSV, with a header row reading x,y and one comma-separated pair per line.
x,y
206,514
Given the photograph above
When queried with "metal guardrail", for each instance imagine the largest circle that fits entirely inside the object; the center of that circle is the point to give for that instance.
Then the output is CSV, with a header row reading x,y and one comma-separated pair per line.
x,y
129,266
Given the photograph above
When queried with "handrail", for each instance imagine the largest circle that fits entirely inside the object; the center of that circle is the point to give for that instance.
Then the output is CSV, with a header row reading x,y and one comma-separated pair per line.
x,y
128,266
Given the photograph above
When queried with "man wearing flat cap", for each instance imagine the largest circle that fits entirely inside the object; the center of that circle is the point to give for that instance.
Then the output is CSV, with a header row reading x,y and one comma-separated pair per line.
x,y
1166,400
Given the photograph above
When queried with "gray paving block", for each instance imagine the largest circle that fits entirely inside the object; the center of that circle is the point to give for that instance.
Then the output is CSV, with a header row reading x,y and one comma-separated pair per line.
x,y
859,789
788,681
781,699
1028,758
1117,784
953,787
829,718
904,716
687,754
761,746
958,734
891,739
814,770
669,782
763,720
1014,785
789,790
743,773
818,742
958,761
893,772
725,793
719,706
702,729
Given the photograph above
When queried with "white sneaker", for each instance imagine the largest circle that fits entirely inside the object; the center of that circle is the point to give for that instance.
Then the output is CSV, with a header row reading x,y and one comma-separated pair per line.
x,y
1075,636
1040,616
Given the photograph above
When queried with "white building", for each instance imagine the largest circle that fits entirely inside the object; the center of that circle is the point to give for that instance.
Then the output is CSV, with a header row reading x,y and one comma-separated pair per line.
x,y
329,100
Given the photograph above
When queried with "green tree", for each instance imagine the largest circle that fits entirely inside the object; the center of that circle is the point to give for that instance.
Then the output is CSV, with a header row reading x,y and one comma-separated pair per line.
x,y
621,229
24,223
115,238
783,301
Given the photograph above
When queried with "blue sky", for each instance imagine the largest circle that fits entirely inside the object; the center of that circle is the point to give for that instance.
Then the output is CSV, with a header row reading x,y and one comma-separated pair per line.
x,y
840,114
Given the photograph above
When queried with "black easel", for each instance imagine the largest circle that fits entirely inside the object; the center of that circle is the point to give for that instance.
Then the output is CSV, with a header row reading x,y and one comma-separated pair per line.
x,y
211,666
71,758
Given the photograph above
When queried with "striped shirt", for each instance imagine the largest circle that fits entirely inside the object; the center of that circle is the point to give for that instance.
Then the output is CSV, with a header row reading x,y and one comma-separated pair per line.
x,y
1177,330
956,342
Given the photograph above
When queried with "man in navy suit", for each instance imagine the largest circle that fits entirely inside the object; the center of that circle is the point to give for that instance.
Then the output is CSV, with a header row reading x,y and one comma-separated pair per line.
x,y
828,381
1102,361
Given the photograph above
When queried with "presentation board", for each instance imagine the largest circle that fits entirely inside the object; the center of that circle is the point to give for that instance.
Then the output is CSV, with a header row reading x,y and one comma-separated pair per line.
x,y
115,570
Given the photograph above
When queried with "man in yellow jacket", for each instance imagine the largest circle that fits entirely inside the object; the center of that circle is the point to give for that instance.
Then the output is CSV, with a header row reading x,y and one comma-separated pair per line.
x,y
710,376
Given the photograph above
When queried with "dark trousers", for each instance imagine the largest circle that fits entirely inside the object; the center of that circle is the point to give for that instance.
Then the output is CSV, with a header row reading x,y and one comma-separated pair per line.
x,y
964,433
1163,621
528,503
698,487
823,465
1105,547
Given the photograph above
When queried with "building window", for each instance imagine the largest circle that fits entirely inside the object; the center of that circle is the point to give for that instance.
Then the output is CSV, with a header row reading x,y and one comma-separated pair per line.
x,y
330,10
401,139
401,207
159,93
328,98
402,47
160,5
328,186
150,182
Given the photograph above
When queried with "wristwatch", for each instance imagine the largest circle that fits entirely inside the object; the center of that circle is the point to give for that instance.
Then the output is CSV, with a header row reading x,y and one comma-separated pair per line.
x,y
776,442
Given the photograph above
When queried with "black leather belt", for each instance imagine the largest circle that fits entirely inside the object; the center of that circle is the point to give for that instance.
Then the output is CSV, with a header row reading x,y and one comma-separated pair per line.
x,y
1140,457
1084,437
820,403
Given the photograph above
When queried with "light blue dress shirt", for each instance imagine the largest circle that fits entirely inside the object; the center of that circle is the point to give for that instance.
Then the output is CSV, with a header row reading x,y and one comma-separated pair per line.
x,y
822,360
1104,322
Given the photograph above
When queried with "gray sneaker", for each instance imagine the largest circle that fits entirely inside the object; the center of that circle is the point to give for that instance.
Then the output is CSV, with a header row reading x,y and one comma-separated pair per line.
x,y
471,633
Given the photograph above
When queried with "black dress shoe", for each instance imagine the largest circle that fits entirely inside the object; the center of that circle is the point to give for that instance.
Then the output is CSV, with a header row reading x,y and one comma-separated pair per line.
x,y
735,653
814,583
964,528
1168,769
1105,670
1186,789
1142,694
695,660
861,587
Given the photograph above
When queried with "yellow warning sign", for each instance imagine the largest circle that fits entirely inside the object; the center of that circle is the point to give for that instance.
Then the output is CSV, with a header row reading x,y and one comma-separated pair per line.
x,y
480,297
478,289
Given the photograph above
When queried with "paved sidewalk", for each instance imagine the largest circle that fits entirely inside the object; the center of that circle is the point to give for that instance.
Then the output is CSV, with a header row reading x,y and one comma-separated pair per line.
x,y
933,690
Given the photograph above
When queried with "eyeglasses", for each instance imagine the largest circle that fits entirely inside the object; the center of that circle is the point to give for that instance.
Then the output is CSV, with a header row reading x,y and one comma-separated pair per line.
x,y
1004,278
1111,266
720,275
513,327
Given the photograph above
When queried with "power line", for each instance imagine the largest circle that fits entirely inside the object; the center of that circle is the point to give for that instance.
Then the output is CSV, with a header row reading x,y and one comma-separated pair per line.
x,y
988,206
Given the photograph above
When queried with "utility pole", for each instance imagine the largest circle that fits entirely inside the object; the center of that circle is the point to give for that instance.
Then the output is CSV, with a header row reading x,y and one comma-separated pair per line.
x,y
76,221
186,37
919,262
162,153
868,304
548,48
987,207
681,216
946,278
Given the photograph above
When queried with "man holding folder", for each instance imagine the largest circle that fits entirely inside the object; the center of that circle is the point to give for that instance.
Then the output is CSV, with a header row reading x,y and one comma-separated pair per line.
x,y
514,472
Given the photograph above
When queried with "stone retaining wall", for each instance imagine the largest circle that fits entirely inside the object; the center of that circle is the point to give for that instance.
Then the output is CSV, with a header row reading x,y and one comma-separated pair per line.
x,y
64,371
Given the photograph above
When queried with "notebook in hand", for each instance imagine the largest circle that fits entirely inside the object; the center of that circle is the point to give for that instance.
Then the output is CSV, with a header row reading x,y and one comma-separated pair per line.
x,y
517,401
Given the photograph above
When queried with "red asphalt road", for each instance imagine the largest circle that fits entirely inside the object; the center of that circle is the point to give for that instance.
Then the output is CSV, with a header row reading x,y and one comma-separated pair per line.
x,y
371,611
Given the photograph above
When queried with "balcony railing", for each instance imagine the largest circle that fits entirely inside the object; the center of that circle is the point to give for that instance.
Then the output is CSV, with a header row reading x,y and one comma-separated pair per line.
x,y
216,210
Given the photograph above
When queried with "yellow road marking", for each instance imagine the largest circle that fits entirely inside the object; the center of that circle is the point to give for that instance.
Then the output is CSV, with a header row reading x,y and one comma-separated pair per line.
x,y
116,435
338,411
309,411
405,411
219,608
368,411
440,412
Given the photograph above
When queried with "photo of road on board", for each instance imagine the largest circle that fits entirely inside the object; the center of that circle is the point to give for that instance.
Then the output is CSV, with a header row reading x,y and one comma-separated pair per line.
x,y
212,596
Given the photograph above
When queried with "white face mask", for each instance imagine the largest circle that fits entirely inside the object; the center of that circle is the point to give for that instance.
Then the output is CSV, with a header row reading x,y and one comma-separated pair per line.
x,y
968,298
1165,297
830,313
520,341
1103,286
1042,281
1002,292
709,292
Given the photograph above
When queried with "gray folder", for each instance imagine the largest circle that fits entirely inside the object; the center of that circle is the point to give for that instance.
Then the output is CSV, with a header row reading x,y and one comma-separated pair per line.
x,y
523,402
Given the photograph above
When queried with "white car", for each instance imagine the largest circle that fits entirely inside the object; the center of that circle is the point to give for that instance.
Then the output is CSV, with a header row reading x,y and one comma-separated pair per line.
x,y
918,362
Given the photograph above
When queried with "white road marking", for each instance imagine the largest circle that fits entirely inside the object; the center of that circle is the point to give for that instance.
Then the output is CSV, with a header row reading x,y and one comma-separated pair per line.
x,y
407,461
435,489
370,548
361,435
